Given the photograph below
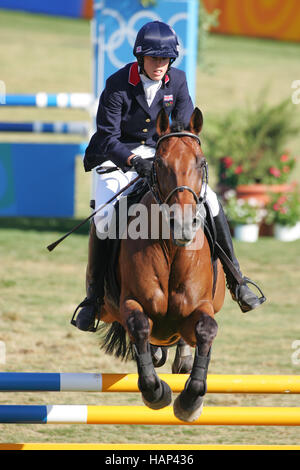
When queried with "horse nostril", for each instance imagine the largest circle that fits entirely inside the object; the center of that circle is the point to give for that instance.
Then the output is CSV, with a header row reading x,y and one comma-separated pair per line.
x,y
195,222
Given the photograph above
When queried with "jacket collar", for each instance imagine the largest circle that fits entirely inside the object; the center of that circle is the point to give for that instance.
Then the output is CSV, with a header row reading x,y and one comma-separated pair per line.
x,y
134,76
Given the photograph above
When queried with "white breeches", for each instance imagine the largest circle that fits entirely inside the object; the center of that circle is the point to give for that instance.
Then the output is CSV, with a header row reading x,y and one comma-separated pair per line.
x,y
109,184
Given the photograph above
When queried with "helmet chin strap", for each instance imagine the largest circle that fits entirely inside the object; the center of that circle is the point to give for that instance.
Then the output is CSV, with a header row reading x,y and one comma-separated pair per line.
x,y
172,60
140,61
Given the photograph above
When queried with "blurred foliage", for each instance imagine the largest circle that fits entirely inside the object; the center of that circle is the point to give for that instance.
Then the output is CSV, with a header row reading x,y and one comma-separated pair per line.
x,y
205,22
250,144
284,209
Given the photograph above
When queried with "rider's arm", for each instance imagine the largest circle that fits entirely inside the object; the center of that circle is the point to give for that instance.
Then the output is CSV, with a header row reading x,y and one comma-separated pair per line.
x,y
109,117
184,107
105,143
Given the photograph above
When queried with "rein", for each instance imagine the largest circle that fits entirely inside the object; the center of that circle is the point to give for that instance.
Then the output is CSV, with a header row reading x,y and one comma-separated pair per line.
x,y
154,185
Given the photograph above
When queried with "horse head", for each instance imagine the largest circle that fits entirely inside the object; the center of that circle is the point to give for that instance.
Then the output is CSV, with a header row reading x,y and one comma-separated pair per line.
x,y
179,177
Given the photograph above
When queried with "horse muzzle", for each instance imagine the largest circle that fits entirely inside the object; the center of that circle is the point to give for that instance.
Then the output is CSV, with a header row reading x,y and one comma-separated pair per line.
x,y
184,226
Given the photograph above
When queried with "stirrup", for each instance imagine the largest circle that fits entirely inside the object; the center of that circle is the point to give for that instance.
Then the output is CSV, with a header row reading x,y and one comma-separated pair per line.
x,y
85,303
246,281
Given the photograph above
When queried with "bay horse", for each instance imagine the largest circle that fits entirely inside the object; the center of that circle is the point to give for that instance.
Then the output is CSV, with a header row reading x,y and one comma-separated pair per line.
x,y
166,286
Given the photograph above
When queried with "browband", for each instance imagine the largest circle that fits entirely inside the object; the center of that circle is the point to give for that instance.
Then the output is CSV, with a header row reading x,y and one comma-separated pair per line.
x,y
178,134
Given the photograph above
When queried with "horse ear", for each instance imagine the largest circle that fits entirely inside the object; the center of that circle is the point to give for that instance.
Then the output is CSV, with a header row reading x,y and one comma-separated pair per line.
x,y
162,122
196,121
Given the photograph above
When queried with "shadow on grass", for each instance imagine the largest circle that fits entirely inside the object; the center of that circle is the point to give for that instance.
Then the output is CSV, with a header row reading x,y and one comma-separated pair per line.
x,y
43,224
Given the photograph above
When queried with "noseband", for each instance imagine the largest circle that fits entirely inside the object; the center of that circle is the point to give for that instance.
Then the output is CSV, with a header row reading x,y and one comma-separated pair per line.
x,y
154,181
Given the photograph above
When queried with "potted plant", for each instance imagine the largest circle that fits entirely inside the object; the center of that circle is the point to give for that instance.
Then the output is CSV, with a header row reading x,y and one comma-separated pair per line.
x,y
249,147
274,178
244,215
283,211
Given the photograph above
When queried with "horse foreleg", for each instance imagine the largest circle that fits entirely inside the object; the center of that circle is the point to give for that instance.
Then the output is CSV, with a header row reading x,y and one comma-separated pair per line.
x,y
156,393
188,405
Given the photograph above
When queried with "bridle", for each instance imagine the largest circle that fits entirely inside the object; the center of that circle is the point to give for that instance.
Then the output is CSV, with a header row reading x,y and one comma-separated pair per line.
x,y
154,184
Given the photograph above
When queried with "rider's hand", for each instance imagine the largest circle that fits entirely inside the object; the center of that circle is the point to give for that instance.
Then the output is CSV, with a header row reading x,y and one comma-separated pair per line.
x,y
141,166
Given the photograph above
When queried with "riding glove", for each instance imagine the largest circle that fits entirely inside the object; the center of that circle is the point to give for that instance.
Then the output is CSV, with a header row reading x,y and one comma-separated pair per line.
x,y
141,166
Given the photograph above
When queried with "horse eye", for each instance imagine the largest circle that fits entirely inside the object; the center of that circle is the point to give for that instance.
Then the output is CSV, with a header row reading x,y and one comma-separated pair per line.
x,y
200,162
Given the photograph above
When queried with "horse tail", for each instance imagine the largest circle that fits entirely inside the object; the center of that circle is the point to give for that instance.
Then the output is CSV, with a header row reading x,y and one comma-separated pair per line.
x,y
115,342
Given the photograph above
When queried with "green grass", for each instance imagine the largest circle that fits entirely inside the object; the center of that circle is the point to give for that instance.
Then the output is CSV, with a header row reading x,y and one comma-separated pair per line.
x,y
39,290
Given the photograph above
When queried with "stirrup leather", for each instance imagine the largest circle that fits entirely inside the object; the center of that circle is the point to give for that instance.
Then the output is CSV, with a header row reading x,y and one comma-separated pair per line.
x,y
85,303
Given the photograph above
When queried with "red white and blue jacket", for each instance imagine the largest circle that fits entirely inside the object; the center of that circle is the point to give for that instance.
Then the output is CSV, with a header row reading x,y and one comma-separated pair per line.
x,y
124,119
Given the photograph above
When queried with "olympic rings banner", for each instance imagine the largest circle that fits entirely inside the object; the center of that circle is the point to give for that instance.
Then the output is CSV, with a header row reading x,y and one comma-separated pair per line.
x,y
115,26
275,19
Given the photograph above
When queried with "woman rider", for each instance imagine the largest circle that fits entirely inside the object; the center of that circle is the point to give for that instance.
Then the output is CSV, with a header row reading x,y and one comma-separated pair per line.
x,y
126,138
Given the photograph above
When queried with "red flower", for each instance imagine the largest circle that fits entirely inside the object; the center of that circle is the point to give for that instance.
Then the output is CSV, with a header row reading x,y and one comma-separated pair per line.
x,y
284,158
282,200
274,171
283,210
286,169
227,162
238,170
276,207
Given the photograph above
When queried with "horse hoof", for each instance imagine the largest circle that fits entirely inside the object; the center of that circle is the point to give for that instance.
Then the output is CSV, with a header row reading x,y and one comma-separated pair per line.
x,y
164,400
188,416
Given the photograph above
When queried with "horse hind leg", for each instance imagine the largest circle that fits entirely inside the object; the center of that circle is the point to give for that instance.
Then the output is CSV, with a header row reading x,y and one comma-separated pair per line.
x,y
159,355
156,393
183,361
189,404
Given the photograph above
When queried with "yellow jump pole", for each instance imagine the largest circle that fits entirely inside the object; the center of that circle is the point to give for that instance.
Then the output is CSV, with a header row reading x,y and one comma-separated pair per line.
x,y
89,382
249,416
284,384
120,447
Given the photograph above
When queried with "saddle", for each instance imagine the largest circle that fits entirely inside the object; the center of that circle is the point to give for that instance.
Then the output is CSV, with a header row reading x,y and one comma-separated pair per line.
x,y
111,284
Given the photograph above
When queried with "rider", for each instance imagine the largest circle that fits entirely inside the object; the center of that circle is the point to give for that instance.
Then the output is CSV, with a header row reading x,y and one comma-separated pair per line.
x,y
126,137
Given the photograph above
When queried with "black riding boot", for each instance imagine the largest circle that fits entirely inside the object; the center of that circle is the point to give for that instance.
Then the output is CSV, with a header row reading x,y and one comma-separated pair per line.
x,y
95,272
240,292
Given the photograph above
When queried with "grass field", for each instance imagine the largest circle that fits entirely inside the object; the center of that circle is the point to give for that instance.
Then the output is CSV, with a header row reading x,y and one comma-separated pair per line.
x,y
39,290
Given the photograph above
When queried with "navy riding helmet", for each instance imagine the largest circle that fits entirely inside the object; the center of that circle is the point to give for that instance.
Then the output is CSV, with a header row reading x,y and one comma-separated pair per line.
x,y
156,39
